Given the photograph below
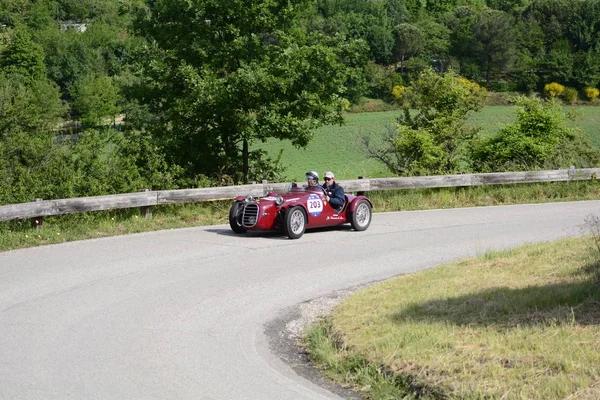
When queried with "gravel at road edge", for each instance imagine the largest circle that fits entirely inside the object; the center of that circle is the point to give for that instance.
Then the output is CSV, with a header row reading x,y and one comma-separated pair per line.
x,y
285,334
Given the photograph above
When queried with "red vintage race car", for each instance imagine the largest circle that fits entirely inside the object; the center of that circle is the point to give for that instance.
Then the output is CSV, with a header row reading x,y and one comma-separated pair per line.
x,y
297,210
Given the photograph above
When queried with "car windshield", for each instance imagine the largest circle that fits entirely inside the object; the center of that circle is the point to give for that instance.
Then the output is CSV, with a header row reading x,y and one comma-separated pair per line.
x,y
294,187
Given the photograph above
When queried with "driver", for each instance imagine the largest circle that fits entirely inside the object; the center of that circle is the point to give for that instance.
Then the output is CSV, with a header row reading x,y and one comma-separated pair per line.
x,y
312,179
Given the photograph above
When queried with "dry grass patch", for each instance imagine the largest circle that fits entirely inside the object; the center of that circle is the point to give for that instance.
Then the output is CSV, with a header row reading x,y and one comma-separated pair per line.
x,y
518,324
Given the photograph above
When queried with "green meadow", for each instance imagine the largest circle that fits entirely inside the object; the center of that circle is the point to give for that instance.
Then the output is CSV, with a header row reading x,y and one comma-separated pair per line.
x,y
339,148
515,324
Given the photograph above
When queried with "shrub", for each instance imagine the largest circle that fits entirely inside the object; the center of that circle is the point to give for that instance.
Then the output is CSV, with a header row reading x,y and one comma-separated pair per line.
x,y
554,89
380,81
431,130
591,93
39,165
540,139
569,95
397,92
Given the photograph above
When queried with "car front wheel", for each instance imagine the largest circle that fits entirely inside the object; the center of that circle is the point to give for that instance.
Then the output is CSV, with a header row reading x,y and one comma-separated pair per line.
x,y
361,216
235,217
295,222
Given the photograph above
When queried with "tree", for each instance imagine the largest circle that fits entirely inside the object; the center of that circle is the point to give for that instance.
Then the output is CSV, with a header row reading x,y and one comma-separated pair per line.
x,y
530,50
362,20
96,99
28,106
13,11
23,56
70,58
509,6
584,25
431,135
222,75
409,41
460,23
494,41
557,65
586,68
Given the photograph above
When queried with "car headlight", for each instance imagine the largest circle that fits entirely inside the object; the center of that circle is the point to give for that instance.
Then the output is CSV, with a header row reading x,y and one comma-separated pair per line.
x,y
249,199
278,200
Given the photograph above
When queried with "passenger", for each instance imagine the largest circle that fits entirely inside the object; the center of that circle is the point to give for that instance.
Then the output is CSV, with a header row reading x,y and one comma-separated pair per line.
x,y
334,192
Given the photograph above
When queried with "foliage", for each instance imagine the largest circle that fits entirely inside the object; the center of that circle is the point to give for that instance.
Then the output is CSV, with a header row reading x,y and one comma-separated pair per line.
x,y
70,59
554,89
246,69
33,166
366,21
11,11
381,81
586,68
37,165
96,99
494,42
539,139
431,133
221,80
569,95
27,105
23,56
409,41
591,93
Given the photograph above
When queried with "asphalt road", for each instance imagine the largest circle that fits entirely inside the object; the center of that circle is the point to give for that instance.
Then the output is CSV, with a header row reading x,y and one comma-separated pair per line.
x,y
182,314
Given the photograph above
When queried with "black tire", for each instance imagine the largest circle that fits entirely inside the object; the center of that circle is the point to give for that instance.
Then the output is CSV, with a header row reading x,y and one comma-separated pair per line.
x,y
361,216
294,223
235,217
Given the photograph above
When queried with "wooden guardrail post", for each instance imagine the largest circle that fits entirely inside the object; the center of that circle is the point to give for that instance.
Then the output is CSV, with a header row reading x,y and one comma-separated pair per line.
x,y
571,172
37,222
361,193
146,211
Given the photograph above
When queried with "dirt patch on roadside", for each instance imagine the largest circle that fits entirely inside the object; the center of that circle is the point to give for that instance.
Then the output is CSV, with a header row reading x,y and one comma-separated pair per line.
x,y
285,334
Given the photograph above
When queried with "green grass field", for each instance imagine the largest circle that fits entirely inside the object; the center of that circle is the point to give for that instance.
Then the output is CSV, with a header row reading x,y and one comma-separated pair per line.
x,y
516,324
339,149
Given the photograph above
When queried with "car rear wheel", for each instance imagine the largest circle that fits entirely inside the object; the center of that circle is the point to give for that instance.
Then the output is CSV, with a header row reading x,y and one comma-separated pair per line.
x,y
361,216
295,222
235,217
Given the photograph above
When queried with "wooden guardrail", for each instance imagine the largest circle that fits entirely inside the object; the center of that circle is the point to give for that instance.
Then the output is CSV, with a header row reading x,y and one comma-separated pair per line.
x,y
147,199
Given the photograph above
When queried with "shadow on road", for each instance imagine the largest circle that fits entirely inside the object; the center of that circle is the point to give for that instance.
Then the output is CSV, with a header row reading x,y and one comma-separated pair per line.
x,y
277,235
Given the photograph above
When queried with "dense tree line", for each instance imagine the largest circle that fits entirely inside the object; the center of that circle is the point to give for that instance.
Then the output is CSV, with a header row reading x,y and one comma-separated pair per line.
x,y
197,83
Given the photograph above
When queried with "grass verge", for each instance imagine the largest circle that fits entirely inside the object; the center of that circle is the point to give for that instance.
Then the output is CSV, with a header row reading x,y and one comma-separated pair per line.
x,y
523,323
19,234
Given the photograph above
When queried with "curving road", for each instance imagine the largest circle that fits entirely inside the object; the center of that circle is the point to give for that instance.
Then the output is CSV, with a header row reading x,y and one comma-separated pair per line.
x,y
181,314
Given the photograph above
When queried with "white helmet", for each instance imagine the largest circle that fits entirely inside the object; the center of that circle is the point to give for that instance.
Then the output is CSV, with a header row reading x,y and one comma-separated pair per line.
x,y
312,175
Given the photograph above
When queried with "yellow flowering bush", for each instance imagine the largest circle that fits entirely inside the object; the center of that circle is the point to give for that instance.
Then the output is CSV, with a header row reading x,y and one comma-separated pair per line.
x,y
398,91
591,93
473,87
554,89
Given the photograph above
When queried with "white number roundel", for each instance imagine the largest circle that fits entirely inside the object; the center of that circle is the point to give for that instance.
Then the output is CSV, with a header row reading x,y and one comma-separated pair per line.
x,y
314,205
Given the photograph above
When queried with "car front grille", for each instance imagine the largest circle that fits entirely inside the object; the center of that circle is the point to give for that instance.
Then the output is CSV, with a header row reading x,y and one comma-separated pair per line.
x,y
250,216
